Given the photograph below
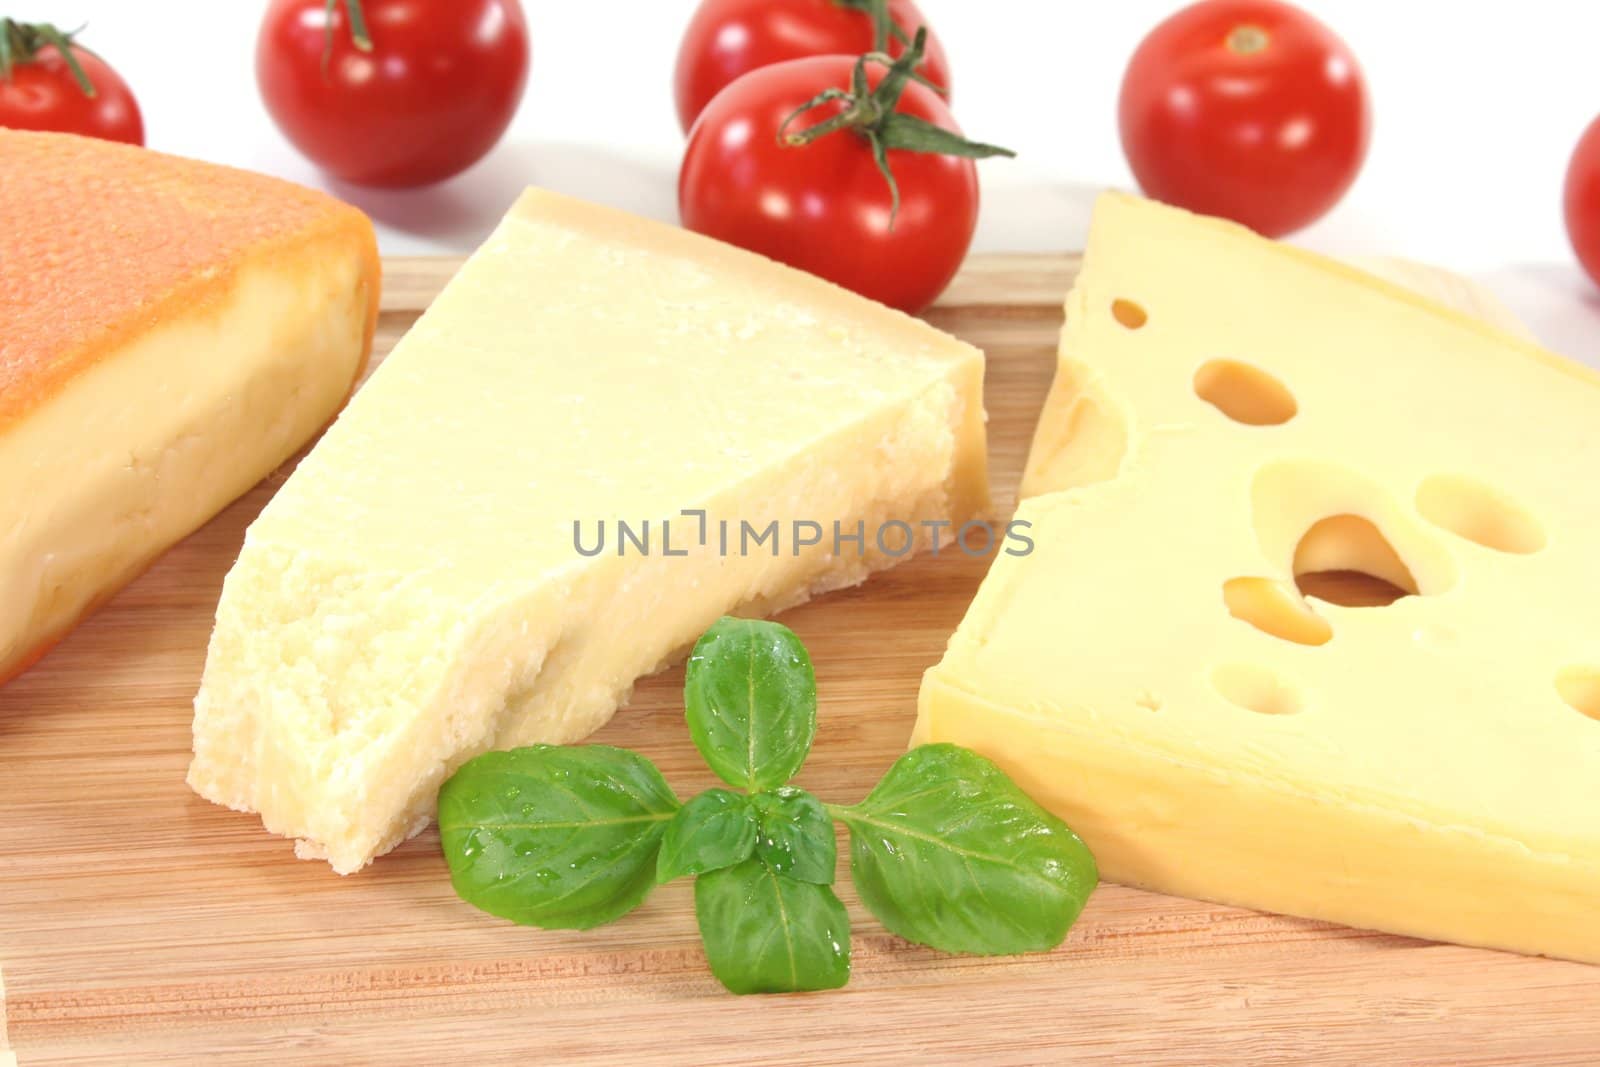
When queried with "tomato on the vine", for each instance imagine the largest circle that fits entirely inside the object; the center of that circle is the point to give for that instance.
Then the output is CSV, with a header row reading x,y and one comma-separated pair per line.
x,y
727,39
393,92
1249,109
1582,200
876,191
50,82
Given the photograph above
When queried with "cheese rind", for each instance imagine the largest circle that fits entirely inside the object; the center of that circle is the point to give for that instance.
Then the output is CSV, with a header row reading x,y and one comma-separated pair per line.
x,y
1449,289
1416,768
414,594
174,331
1187,824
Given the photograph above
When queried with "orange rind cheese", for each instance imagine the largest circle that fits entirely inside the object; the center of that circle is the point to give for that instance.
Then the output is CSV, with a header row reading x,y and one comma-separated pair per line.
x,y
170,332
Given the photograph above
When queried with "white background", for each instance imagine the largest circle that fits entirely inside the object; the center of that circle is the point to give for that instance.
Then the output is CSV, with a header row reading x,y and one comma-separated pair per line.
x,y
1478,106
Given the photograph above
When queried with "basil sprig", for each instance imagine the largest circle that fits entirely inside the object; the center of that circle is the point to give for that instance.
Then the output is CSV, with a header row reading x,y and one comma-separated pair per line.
x,y
946,851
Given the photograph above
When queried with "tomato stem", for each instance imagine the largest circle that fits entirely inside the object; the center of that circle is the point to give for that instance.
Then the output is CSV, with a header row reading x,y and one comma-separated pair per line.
x,y
874,115
885,28
1247,40
358,29
21,42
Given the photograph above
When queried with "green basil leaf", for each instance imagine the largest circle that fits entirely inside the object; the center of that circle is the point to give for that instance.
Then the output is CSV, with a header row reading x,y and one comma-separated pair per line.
x,y
714,830
948,852
751,700
796,837
558,837
765,933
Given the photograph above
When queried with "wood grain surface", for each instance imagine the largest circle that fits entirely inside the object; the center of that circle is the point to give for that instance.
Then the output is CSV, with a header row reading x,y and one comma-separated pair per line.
x,y
139,924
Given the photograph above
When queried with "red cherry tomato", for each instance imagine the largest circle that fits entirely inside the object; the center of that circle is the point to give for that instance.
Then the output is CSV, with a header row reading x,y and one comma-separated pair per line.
x,y
1583,200
1248,109
825,207
433,95
43,93
730,38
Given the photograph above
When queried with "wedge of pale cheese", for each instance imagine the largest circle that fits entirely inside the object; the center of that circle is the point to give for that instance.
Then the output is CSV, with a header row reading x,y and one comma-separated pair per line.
x,y
433,580
1231,415
170,331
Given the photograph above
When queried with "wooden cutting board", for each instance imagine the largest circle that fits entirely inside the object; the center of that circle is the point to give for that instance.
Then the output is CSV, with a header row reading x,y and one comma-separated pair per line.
x,y
139,924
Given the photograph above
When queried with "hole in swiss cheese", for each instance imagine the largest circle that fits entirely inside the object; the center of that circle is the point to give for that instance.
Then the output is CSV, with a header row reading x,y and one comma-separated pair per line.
x,y
1273,609
1479,513
1580,687
1244,393
1129,314
1257,689
1346,560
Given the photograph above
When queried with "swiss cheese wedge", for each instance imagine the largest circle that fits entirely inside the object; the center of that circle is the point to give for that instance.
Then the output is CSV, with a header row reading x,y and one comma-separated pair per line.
x,y
435,580
1230,416
170,332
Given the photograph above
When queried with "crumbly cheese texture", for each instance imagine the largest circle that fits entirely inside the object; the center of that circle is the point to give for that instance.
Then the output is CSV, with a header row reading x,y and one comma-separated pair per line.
x,y
415,595
1230,414
172,332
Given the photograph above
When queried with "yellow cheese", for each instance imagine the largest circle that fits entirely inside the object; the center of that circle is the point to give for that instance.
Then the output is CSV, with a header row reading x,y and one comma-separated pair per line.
x,y
1231,414
415,594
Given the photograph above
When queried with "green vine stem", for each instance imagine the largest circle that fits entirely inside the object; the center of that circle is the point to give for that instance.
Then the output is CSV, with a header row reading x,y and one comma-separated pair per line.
x,y
884,26
20,42
886,29
872,114
359,36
